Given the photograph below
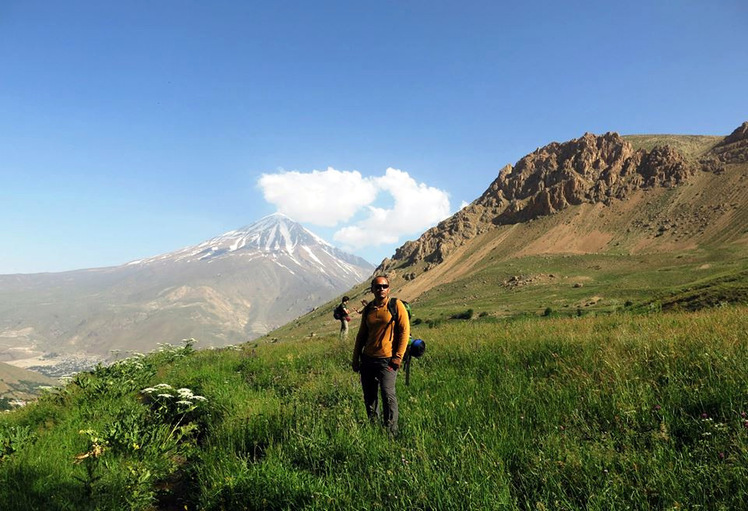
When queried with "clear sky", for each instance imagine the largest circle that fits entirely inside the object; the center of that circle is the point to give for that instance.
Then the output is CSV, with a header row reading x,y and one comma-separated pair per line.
x,y
134,128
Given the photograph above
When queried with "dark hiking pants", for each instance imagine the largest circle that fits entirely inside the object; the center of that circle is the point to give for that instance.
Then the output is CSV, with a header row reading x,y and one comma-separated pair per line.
x,y
378,377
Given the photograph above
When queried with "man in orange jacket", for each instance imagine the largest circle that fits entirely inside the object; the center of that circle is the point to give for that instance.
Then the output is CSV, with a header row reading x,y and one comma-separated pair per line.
x,y
380,346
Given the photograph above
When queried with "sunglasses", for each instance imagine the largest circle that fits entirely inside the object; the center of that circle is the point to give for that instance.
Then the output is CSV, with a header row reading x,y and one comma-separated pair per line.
x,y
380,286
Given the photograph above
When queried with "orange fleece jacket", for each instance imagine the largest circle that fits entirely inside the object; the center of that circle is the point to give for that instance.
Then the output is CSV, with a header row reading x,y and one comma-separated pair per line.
x,y
379,336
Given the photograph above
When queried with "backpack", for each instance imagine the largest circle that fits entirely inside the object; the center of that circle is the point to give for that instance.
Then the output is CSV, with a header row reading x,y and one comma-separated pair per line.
x,y
392,307
416,347
338,313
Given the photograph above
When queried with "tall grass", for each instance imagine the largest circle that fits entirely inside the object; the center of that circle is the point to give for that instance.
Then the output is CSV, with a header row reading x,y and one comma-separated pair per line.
x,y
616,412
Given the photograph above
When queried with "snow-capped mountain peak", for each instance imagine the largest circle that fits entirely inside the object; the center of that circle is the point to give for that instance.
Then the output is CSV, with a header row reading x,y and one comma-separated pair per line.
x,y
273,233
229,289
275,237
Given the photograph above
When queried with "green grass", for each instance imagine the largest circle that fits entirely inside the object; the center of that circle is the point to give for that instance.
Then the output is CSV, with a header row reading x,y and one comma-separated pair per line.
x,y
594,283
691,146
568,284
611,412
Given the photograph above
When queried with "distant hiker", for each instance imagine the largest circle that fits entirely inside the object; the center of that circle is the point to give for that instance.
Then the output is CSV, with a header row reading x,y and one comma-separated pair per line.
x,y
342,314
379,350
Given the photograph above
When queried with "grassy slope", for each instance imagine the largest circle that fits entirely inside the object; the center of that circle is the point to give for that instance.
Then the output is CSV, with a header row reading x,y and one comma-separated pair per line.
x,y
649,250
691,146
615,412
507,411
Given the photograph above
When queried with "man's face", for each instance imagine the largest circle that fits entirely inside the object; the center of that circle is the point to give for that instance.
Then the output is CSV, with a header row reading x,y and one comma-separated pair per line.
x,y
381,288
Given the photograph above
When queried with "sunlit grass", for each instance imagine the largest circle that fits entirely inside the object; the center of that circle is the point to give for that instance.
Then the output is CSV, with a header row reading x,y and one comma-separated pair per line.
x,y
616,412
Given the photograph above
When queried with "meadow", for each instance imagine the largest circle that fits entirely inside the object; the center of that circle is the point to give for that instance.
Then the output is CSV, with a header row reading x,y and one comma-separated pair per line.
x,y
606,412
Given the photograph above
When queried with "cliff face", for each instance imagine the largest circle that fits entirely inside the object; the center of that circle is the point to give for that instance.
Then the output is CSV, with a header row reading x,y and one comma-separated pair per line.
x,y
734,148
590,169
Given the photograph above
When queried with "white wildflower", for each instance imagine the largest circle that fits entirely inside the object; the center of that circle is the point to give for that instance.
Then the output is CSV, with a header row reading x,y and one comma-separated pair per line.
x,y
199,398
165,395
184,402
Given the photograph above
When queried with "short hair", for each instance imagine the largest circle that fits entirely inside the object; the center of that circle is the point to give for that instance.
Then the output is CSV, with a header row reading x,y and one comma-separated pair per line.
x,y
379,277
345,299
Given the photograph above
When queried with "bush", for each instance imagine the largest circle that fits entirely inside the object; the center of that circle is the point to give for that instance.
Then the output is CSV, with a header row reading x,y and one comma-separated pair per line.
x,y
468,314
13,438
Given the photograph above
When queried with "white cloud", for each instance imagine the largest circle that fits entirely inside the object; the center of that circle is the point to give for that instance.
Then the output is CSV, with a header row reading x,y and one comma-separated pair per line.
x,y
416,208
323,198
327,198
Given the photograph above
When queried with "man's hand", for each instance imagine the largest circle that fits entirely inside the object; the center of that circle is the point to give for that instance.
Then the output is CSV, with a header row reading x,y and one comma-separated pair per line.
x,y
356,366
394,364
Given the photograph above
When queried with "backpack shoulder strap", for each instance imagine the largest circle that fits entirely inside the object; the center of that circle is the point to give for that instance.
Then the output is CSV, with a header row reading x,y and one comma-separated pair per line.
x,y
392,307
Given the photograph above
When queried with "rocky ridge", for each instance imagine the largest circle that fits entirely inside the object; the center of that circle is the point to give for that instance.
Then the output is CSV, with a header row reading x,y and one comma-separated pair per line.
x,y
591,169
734,148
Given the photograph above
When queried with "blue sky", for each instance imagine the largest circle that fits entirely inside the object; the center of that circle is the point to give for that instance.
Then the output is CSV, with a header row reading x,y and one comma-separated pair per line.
x,y
130,129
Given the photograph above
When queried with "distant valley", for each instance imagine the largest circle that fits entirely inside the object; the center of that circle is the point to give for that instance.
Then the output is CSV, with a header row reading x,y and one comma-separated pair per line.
x,y
227,290
595,225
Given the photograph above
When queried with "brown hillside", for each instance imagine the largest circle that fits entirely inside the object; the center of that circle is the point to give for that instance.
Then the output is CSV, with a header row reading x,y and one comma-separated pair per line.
x,y
734,148
20,384
605,170
593,223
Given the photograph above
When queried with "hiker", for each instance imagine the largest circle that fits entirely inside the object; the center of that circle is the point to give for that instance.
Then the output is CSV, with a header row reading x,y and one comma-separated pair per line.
x,y
378,352
342,313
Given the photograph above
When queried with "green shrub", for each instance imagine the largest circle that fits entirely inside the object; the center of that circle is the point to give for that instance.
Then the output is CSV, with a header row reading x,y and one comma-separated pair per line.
x,y
13,438
468,314
434,323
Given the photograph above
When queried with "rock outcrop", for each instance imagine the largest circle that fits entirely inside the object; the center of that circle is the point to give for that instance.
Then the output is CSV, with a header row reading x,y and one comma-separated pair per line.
x,y
589,169
734,148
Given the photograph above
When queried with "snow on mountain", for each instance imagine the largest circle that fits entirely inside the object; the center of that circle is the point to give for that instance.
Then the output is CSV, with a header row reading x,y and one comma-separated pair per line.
x,y
227,290
275,237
